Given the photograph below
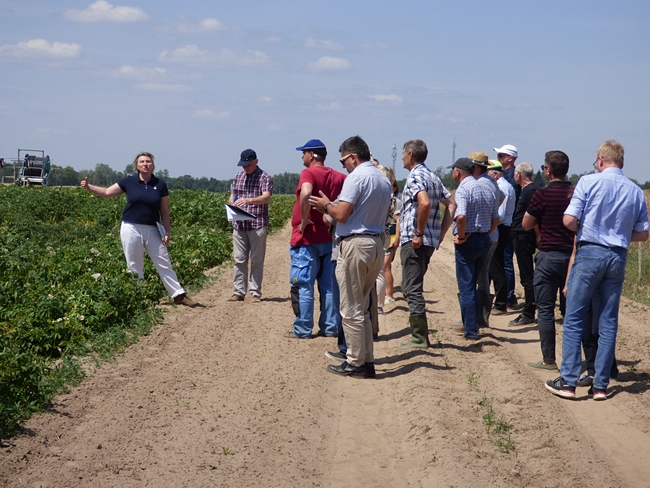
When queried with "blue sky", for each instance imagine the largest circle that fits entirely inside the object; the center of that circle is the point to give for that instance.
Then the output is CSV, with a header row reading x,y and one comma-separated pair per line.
x,y
196,82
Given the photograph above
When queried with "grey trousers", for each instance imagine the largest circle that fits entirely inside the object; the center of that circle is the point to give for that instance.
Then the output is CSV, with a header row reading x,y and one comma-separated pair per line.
x,y
249,245
415,263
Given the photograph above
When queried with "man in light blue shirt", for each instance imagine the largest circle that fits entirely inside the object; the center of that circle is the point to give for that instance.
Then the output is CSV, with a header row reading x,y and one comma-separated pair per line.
x,y
360,213
608,212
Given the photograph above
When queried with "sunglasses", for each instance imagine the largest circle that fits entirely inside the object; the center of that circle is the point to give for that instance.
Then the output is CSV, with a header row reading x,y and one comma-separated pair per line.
x,y
342,160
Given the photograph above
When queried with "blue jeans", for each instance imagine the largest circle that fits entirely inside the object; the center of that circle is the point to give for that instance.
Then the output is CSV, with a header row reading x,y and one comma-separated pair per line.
x,y
308,264
509,268
596,270
469,260
336,302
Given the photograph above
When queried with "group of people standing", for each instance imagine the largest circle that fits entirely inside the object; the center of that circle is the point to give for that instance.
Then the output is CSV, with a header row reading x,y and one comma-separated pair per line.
x,y
569,242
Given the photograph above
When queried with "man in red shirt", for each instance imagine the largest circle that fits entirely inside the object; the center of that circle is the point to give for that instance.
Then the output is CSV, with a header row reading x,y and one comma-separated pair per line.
x,y
311,244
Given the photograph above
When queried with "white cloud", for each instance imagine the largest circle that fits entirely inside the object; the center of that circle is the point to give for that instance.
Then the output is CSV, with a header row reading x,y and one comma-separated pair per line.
x,y
327,63
40,48
206,25
131,72
274,127
323,44
210,114
162,87
330,107
191,54
396,99
267,99
102,11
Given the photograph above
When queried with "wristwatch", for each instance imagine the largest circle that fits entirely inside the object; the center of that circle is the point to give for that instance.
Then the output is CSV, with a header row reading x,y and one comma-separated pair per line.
x,y
417,234
325,207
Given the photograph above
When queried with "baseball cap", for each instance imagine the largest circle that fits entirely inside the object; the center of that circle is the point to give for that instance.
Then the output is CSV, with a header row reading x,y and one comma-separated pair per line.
x,y
508,149
311,144
495,165
247,157
465,164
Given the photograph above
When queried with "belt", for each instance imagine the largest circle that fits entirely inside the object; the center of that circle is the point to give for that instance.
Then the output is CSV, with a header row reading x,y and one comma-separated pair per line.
x,y
611,248
342,238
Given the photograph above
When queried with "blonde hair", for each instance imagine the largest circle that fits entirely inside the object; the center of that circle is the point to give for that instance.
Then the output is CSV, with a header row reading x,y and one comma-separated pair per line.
x,y
612,151
135,161
388,173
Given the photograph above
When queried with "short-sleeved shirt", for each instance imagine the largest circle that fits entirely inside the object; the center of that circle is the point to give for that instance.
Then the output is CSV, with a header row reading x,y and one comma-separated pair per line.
x,y
507,207
369,191
491,183
524,201
509,175
476,202
142,199
609,207
547,205
421,178
252,186
330,182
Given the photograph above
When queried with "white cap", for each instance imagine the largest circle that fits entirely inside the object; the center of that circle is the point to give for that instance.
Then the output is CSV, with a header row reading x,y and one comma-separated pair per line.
x,y
508,149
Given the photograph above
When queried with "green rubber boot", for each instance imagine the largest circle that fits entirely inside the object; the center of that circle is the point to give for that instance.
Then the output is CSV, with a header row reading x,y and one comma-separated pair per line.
x,y
420,334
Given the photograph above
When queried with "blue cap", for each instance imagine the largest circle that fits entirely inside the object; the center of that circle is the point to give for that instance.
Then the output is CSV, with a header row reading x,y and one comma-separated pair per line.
x,y
247,157
311,144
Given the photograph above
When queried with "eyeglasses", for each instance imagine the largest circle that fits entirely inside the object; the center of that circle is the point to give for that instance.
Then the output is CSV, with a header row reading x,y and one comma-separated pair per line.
x,y
500,155
596,164
544,167
342,160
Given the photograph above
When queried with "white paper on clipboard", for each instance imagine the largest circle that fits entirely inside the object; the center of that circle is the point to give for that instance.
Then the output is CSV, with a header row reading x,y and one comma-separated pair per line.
x,y
233,212
161,229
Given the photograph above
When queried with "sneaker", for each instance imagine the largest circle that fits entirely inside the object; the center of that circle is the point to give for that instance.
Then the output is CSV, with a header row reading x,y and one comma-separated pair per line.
x,y
236,298
320,333
598,394
336,356
561,388
522,320
543,365
586,380
390,299
256,299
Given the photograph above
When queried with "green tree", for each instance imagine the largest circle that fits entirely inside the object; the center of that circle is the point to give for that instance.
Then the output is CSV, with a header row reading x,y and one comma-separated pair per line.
x,y
64,176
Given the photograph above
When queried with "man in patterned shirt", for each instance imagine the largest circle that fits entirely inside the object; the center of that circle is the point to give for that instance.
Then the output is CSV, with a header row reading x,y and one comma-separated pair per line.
x,y
421,232
476,216
251,190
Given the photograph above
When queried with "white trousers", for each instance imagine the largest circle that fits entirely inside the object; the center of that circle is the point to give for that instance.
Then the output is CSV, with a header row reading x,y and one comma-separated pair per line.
x,y
135,239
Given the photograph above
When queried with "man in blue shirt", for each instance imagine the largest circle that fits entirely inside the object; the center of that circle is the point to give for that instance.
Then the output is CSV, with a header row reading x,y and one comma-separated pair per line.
x,y
360,212
608,211
421,231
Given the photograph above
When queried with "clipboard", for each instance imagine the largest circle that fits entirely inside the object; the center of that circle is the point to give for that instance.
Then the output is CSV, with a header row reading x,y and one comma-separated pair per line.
x,y
233,212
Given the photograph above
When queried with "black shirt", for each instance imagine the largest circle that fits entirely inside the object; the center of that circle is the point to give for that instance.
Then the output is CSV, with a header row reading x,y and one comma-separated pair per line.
x,y
142,199
524,200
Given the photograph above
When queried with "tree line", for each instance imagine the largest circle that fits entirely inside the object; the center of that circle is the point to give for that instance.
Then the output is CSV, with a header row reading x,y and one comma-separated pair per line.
x,y
283,183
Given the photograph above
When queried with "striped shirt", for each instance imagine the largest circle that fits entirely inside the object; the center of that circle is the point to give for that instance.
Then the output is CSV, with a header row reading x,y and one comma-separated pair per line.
x,y
477,203
420,179
548,205
252,186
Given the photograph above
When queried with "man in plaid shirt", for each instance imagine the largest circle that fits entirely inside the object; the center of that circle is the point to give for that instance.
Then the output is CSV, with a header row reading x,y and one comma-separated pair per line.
x,y
251,190
421,231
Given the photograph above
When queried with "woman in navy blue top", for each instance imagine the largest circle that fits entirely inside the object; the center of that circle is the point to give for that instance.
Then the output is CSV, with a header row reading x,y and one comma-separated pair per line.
x,y
147,200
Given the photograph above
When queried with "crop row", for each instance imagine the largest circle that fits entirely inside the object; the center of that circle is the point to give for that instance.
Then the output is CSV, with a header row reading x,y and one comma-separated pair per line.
x,y
65,291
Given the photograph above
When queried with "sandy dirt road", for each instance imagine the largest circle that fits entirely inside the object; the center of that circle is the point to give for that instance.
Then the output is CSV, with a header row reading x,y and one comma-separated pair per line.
x,y
217,397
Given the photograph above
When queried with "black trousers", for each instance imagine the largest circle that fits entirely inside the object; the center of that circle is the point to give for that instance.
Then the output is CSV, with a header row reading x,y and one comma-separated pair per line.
x,y
525,245
497,269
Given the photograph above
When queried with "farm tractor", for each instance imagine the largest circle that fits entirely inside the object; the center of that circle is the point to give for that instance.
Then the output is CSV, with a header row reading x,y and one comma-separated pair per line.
x,y
31,167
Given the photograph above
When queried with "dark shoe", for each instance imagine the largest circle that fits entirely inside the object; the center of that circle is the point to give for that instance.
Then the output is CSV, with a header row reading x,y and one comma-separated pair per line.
x,y
293,335
597,394
561,388
344,369
499,311
516,306
183,299
586,380
468,338
522,320
336,356
320,333
544,366
236,298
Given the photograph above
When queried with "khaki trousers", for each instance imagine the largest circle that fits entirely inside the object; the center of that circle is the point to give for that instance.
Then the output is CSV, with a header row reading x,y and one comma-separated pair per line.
x,y
359,262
